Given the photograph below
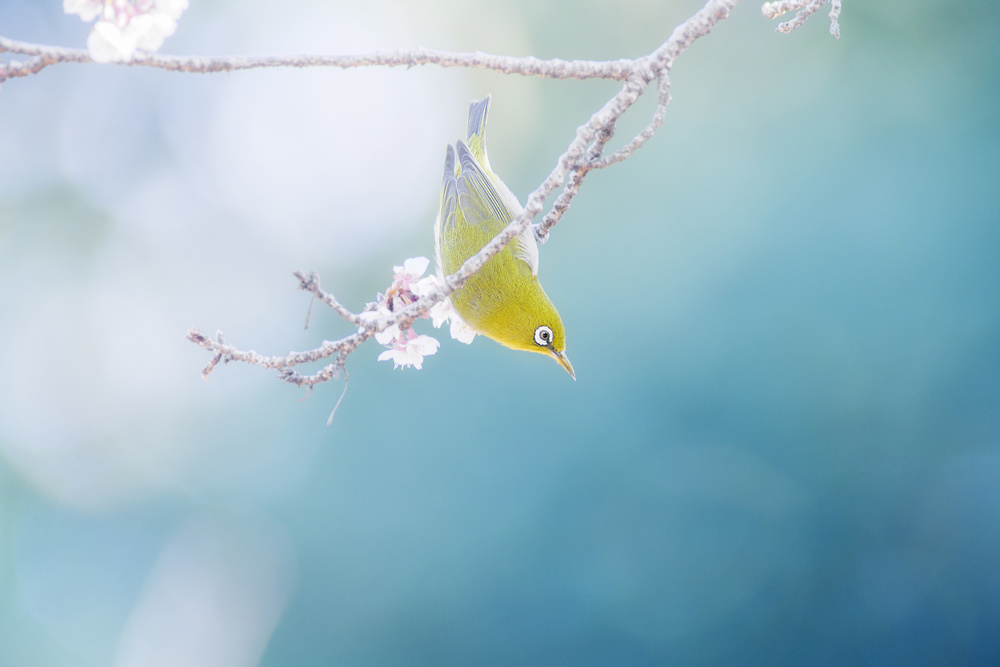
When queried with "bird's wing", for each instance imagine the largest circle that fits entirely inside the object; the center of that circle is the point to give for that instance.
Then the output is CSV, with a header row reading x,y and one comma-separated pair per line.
x,y
447,207
478,198
487,201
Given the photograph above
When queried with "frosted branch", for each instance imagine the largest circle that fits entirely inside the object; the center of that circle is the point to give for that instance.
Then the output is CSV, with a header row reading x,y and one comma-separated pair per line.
x,y
45,56
834,18
807,8
311,284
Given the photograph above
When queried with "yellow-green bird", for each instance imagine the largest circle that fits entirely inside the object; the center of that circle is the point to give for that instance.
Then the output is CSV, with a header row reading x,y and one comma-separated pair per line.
x,y
504,299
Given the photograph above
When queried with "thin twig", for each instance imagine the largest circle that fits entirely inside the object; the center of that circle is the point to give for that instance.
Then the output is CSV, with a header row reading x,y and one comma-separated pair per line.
x,y
659,116
800,16
311,284
834,18
225,352
807,8
347,380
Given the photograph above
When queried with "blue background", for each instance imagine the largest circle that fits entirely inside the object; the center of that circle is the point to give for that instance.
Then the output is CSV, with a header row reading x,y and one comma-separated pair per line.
x,y
783,447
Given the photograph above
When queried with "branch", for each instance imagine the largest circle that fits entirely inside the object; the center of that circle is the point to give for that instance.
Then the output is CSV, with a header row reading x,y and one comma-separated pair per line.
x,y
226,353
311,284
807,8
44,56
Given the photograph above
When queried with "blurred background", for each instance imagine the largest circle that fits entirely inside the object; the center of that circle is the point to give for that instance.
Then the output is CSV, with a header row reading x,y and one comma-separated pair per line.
x,y
783,447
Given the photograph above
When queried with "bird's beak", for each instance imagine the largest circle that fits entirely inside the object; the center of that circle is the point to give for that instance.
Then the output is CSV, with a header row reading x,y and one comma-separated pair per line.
x,y
563,361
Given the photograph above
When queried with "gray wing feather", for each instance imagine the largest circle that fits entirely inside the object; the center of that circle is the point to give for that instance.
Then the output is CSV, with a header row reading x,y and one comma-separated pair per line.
x,y
448,205
477,195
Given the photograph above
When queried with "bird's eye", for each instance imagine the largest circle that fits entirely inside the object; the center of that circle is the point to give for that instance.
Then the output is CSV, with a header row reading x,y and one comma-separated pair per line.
x,y
543,336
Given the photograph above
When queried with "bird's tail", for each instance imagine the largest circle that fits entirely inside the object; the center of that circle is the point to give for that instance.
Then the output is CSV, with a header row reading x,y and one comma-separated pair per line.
x,y
478,111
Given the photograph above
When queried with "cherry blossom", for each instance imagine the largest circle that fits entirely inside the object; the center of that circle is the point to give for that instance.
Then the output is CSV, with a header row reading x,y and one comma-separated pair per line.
x,y
409,349
126,26
405,347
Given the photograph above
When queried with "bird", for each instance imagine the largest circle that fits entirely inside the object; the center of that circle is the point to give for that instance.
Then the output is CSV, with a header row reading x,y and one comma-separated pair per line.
x,y
503,300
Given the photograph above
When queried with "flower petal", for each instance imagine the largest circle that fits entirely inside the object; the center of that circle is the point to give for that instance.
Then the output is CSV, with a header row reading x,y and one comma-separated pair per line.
x,y
424,286
88,10
171,8
412,268
388,335
107,43
149,30
423,345
440,313
461,331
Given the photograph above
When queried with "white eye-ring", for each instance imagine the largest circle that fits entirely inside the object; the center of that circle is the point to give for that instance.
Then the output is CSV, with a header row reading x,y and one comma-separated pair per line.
x,y
543,336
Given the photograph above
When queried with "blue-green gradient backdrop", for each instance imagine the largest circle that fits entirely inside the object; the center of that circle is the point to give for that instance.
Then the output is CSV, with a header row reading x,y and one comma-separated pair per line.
x,y
783,447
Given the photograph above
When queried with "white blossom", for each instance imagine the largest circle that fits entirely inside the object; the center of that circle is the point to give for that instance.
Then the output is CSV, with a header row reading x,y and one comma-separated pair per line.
x,y
126,26
405,347
88,10
412,352
151,29
412,268
461,331
440,312
389,335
